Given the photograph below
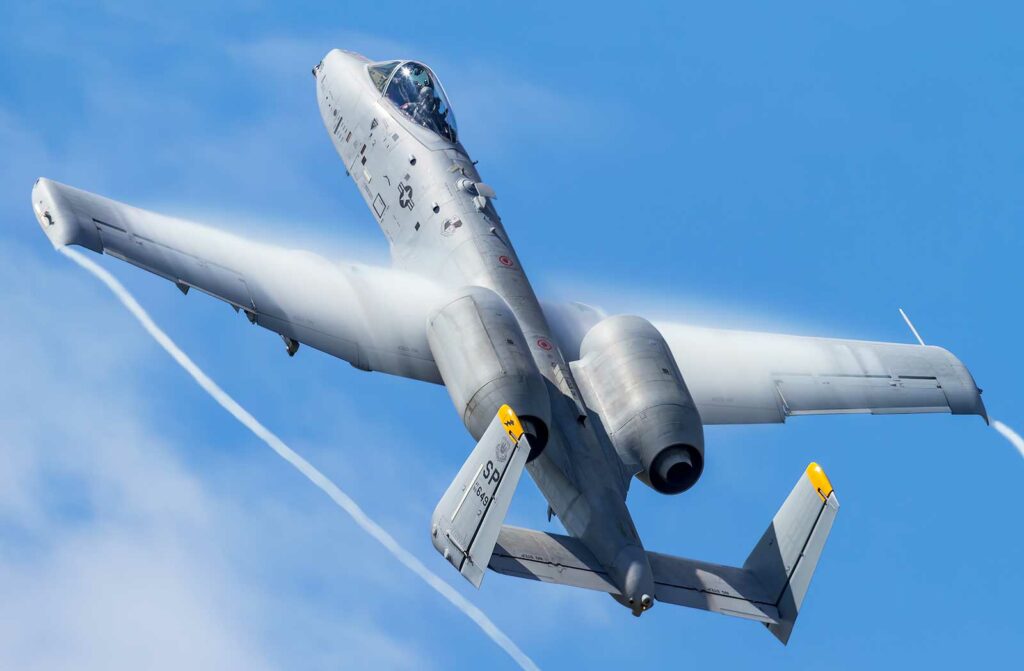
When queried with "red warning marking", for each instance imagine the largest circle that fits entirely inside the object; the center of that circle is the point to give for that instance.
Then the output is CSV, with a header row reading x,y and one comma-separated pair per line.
x,y
505,261
544,344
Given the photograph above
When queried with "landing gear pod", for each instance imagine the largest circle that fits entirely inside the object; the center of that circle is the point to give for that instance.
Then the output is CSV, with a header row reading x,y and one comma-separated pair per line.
x,y
485,363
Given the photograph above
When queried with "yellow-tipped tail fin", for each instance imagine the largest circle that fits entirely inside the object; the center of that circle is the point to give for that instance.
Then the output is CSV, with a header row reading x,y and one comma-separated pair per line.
x,y
819,480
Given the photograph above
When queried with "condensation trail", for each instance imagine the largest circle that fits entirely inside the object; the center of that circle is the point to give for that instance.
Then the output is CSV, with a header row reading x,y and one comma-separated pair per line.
x,y
1010,435
316,477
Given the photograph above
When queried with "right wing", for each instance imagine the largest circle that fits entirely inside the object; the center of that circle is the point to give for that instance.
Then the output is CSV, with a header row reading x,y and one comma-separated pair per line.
x,y
747,377
374,318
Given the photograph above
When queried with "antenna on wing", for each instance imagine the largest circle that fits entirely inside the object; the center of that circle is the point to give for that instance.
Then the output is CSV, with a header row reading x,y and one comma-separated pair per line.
x,y
911,325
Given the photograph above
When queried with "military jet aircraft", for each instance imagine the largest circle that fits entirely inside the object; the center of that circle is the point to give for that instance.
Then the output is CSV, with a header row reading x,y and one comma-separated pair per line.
x,y
582,401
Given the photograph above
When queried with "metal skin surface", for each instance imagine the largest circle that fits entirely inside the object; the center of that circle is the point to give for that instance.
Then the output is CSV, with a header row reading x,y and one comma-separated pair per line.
x,y
421,190
482,355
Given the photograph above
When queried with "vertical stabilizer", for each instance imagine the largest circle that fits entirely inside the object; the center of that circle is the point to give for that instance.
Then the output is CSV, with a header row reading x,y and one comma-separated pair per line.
x,y
784,560
468,518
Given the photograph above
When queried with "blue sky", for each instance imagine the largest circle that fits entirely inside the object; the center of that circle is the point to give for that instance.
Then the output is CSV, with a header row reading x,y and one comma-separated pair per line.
x,y
807,168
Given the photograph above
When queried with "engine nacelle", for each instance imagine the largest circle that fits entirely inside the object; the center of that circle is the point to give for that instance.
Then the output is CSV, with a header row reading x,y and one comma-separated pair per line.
x,y
628,375
485,363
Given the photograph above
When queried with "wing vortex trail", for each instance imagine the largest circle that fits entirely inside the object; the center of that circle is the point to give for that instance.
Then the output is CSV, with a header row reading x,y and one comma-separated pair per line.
x,y
316,477
1010,435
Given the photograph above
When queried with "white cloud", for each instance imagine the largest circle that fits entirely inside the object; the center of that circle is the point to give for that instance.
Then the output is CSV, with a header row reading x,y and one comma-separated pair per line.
x,y
315,476
110,597
113,552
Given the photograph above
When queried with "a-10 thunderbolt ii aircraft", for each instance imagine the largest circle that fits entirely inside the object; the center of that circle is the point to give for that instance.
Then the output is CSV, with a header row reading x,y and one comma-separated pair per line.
x,y
582,401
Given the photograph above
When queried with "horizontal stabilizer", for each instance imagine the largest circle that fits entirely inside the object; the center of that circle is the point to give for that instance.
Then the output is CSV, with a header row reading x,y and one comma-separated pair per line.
x,y
768,588
771,585
468,518
553,558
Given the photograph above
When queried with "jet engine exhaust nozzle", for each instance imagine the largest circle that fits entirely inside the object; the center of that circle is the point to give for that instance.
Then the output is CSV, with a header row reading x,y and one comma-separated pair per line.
x,y
676,469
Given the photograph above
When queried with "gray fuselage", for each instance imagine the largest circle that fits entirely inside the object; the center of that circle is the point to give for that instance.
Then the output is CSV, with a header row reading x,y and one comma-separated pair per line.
x,y
440,222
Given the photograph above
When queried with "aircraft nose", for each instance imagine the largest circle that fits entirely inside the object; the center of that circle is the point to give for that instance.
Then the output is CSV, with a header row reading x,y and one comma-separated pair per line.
x,y
343,58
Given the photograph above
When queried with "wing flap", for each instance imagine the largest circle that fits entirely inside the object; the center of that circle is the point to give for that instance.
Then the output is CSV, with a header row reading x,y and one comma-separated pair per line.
x,y
879,394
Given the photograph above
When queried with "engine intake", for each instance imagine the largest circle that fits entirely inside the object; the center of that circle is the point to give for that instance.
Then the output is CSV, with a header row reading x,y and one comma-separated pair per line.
x,y
629,377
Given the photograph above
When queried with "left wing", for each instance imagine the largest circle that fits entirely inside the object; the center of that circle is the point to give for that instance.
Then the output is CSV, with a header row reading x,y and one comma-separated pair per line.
x,y
374,318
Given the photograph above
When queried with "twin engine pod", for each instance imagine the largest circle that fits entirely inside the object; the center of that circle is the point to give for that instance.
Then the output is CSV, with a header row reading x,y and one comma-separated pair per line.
x,y
485,363
628,375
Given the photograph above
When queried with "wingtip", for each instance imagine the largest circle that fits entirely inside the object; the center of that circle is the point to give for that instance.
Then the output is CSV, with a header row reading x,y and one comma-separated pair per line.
x,y
982,410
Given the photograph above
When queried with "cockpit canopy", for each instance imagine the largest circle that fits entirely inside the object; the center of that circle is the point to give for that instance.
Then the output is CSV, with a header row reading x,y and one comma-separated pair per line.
x,y
414,90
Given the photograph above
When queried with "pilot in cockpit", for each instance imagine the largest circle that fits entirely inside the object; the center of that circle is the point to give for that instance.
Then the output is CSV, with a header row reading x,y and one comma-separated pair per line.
x,y
414,90
424,108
